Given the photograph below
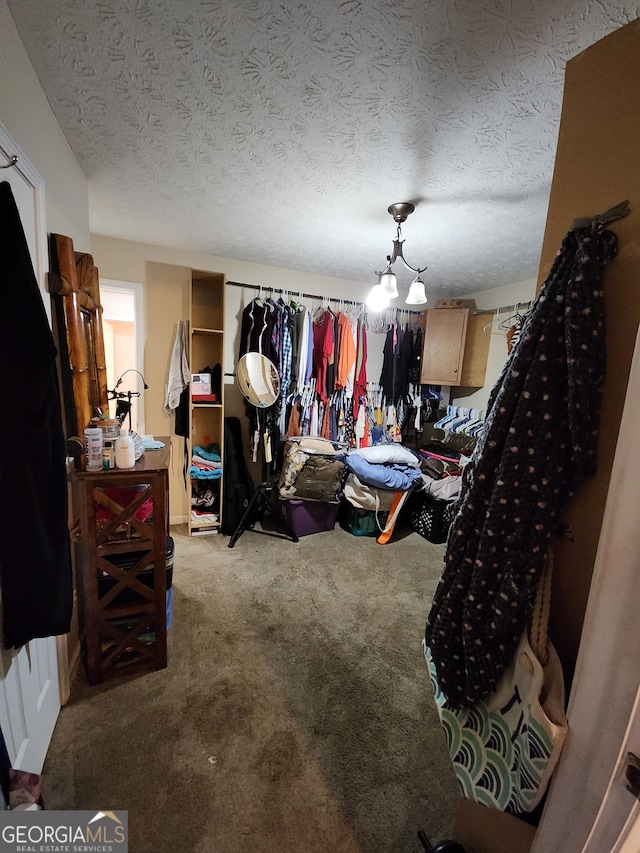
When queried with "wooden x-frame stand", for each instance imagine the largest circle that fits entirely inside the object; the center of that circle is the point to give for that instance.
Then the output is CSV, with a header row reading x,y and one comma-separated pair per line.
x,y
125,629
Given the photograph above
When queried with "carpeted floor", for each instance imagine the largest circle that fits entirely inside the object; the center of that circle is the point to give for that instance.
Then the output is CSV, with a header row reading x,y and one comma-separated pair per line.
x,y
295,713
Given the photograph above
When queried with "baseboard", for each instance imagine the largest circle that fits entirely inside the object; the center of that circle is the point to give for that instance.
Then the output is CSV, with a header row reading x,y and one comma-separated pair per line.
x,y
179,519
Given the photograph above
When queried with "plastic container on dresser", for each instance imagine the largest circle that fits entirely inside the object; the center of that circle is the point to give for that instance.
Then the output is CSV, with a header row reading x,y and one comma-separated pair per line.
x,y
125,449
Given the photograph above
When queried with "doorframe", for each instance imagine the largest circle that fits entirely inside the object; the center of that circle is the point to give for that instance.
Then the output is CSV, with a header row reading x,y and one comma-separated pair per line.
x,y
607,676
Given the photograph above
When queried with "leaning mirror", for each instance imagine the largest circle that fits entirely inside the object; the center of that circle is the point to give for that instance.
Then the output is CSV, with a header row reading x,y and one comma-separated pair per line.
x,y
258,380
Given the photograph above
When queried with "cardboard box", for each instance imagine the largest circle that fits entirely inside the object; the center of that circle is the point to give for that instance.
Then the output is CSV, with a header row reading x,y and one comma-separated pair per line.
x,y
200,384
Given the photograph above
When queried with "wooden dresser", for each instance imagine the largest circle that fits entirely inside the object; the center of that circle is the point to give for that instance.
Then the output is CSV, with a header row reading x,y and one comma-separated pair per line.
x,y
122,565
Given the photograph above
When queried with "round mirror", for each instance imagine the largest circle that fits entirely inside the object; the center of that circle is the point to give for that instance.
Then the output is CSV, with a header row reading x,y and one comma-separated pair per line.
x,y
258,380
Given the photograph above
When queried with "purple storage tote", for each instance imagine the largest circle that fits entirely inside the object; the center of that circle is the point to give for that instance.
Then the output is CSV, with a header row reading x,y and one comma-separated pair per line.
x,y
306,517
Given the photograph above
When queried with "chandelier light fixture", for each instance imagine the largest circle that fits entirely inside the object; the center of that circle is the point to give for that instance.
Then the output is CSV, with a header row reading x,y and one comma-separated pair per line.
x,y
387,287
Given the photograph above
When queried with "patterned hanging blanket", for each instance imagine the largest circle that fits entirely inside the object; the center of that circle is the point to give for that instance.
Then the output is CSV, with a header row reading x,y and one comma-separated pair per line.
x,y
538,443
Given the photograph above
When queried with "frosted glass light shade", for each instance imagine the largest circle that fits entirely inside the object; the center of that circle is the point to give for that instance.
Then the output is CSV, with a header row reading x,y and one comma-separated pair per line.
x,y
389,283
377,300
417,294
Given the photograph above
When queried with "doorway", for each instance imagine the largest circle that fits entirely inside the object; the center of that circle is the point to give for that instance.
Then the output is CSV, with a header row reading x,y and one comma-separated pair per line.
x,y
123,331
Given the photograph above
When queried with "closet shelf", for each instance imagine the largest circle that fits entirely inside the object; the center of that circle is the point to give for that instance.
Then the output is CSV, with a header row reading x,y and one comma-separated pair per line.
x,y
203,531
206,331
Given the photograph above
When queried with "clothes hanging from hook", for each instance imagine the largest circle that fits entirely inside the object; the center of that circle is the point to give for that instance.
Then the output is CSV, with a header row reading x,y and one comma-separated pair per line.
x,y
538,444
35,559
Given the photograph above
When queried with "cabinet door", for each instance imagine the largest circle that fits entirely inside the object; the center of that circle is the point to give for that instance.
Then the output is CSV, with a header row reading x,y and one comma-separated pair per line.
x,y
443,349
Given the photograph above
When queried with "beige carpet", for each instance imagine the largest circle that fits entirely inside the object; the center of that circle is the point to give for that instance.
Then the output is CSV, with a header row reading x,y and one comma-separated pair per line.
x,y
295,713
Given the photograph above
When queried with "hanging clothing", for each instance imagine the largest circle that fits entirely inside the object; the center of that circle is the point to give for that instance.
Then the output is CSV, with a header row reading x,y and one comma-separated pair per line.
x,y
179,371
301,323
346,350
256,329
538,443
348,387
360,381
405,354
333,355
416,357
35,556
322,351
388,373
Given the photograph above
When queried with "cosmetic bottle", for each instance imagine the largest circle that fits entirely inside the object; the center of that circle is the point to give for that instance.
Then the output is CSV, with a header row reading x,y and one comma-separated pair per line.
x,y
125,449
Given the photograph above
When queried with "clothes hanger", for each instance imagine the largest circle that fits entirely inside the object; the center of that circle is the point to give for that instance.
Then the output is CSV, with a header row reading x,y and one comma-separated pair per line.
x,y
517,316
449,416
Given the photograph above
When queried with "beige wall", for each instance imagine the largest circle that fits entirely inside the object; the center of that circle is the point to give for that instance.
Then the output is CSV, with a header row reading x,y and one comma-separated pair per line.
x,y
27,116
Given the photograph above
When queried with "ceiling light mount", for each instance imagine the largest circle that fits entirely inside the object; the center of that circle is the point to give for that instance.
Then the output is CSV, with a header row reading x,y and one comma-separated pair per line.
x,y
400,210
387,286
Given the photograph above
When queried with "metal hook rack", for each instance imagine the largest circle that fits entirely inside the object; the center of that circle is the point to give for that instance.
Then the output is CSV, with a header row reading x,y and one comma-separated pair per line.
x,y
12,162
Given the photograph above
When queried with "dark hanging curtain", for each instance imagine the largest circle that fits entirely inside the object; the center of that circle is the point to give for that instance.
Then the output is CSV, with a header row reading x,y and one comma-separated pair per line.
x,y
538,443
35,562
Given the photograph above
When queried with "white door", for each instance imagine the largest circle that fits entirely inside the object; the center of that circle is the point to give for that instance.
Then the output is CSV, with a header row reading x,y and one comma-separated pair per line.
x,y
589,809
620,806
29,687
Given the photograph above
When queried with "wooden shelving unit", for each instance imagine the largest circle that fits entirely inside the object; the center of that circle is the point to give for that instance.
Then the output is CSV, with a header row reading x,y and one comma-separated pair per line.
x,y
206,316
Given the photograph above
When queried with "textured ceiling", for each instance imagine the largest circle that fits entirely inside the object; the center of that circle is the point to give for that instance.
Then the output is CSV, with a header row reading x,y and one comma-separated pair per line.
x,y
279,132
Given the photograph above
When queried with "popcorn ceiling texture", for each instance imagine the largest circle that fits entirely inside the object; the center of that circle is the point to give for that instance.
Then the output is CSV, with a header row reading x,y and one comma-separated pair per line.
x,y
280,132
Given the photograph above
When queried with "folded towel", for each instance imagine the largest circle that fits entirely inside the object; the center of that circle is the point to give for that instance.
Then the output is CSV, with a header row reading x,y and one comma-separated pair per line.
x,y
201,474
210,452
152,443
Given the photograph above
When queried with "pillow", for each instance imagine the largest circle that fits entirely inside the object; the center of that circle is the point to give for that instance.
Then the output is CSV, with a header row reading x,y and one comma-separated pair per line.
x,y
387,454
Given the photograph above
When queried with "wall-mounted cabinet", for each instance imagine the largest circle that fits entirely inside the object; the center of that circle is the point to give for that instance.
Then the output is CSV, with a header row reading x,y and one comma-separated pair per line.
x,y
455,347
206,315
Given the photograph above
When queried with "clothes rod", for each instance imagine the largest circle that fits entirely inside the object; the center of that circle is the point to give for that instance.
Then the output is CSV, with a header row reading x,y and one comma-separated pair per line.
x,y
301,295
514,306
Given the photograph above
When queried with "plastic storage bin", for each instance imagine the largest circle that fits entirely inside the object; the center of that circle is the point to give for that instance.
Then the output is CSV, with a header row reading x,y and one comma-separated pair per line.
x,y
306,517
126,562
362,522
429,517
